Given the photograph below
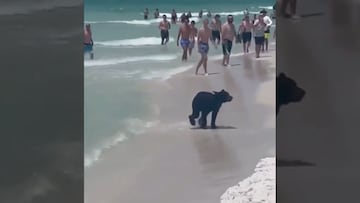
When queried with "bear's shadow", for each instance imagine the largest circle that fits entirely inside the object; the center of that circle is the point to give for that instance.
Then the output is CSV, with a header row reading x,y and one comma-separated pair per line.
x,y
217,128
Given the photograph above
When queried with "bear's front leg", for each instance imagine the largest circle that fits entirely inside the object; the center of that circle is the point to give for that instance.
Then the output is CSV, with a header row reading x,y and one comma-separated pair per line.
x,y
213,119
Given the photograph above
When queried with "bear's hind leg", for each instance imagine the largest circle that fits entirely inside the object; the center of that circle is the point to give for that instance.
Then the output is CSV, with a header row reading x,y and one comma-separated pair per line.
x,y
193,116
203,119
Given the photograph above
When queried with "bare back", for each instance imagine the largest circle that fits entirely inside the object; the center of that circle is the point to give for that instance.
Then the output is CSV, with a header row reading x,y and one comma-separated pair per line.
x,y
215,25
184,31
246,26
87,36
204,35
228,31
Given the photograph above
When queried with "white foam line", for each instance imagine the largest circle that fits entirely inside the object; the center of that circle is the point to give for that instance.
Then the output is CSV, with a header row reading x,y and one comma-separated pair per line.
x,y
142,41
259,187
107,62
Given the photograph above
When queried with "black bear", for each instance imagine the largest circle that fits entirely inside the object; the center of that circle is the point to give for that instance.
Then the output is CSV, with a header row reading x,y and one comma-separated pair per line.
x,y
287,91
206,102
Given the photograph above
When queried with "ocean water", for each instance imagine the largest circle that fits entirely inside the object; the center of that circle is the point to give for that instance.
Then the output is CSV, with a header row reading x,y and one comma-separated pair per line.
x,y
127,50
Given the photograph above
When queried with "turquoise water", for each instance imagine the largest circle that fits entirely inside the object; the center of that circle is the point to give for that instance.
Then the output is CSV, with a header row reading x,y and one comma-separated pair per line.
x,y
127,51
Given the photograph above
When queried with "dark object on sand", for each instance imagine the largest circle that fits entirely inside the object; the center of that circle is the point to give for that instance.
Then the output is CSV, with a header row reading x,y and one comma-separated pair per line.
x,y
287,91
206,102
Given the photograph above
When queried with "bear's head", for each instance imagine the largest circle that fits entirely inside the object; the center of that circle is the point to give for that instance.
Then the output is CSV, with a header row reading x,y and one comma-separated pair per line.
x,y
223,96
287,91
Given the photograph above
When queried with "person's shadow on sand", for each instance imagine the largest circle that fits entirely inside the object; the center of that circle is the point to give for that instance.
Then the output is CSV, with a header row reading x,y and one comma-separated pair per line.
x,y
217,128
287,91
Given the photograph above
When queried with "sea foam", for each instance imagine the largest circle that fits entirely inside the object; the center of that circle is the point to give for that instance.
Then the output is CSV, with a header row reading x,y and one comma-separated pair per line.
x,y
107,62
142,41
259,187
134,127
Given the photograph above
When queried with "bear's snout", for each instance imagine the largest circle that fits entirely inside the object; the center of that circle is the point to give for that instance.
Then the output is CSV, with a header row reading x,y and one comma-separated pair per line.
x,y
229,98
300,93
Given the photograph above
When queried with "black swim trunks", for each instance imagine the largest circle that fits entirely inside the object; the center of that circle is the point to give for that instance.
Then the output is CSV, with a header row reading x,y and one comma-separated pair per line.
x,y
259,40
164,34
215,35
246,37
173,19
227,46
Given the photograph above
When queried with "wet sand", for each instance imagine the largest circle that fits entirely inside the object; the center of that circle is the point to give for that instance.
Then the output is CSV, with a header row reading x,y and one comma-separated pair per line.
x,y
172,162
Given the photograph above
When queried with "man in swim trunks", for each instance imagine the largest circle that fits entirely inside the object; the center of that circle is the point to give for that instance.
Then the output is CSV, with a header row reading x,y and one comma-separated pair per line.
x,y
203,45
88,42
184,33
259,32
245,29
268,23
146,13
228,33
215,26
164,27
173,17
193,34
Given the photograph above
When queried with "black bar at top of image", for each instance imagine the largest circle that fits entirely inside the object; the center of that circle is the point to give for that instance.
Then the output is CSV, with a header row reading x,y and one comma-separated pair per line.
x,y
318,81
41,85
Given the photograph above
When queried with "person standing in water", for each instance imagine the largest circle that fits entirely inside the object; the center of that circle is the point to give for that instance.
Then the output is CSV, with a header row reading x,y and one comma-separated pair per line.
x,y
146,13
268,23
88,41
201,14
245,28
184,33
164,27
203,45
173,17
259,34
189,15
228,34
156,13
254,18
193,35
215,27
208,14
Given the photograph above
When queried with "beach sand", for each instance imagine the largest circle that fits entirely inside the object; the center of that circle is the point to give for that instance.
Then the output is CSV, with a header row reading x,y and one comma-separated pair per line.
x,y
172,162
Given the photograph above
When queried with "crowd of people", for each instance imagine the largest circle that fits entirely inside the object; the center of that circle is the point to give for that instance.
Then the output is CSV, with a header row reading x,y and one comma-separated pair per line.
x,y
217,33
212,31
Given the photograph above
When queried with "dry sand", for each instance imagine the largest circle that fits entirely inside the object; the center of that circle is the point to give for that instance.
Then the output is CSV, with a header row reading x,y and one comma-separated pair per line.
x,y
173,163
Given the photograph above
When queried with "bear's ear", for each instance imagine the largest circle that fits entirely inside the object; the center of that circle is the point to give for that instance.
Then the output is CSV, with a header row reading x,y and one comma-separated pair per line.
x,y
222,90
282,75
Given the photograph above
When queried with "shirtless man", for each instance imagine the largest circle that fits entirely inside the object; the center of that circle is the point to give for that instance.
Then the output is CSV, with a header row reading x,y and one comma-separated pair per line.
x,y
88,42
146,13
245,30
156,13
193,34
216,30
228,33
173,17
203,45
164,27
184,33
